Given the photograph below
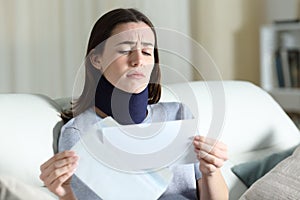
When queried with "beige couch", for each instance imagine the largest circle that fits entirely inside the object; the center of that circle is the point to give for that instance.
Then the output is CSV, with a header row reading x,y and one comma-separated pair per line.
x,y
248,120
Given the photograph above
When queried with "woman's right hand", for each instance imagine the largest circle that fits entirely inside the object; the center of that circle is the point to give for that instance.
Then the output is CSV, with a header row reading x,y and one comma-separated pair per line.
x,y
56,173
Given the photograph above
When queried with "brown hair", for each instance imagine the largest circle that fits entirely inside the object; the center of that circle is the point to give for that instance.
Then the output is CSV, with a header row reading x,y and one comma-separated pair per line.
x,y
101,31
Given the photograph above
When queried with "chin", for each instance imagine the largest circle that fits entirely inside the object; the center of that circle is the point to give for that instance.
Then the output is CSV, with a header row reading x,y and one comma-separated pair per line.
x,y
134,88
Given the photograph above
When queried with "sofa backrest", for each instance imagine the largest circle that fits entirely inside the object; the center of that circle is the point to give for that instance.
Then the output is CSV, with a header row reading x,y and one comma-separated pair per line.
x,y
252,119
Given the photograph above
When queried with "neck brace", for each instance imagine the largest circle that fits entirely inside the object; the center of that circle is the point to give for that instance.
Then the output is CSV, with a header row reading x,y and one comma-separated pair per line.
x,y
125,108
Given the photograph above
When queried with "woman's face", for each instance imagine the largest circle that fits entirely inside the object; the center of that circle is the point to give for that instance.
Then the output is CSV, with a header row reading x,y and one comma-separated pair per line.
x,y
128,57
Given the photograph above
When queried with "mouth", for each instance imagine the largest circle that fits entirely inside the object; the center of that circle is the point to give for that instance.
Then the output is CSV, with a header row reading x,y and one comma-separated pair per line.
x,y
135,75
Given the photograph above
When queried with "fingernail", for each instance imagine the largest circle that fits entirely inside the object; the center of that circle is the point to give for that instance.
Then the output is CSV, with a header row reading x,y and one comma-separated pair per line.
x,y
76,157
74,170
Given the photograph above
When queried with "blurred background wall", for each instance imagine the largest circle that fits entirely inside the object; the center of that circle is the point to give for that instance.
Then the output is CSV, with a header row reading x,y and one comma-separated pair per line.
x,y
43,42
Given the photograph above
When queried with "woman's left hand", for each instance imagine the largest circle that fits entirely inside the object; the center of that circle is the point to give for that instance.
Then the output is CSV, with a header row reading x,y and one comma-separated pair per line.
x,y
211,153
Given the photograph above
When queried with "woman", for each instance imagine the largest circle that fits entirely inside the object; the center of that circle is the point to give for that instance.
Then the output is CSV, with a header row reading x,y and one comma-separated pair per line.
x,y
122,63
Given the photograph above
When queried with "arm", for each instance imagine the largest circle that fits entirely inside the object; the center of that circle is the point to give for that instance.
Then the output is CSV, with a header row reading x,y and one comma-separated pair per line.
x,y
56,174
211,154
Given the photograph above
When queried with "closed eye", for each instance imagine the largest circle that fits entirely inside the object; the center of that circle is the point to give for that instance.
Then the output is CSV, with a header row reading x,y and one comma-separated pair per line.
x,y
125,52
147,53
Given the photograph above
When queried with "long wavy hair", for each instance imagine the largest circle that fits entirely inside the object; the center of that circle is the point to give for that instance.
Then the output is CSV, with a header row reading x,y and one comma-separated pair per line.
x,y
101,31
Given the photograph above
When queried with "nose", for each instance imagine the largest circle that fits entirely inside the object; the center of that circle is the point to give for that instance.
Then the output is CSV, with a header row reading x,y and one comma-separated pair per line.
x,y
136,58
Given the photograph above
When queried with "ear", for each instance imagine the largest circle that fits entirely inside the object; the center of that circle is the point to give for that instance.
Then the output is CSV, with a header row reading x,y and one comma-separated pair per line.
x,y
95,60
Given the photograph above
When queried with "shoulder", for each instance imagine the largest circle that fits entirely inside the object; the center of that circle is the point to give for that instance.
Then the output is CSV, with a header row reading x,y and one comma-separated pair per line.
x,y
71,131
82,121
170,111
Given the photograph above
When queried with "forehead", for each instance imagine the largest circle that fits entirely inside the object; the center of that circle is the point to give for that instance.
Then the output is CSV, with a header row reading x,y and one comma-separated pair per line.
x,y
132,31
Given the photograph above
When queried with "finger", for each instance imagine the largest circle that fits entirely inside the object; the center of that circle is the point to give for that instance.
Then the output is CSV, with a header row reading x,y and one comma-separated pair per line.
x,y
56,186
60,166
206,167
211,141
59,173
216,151
213,160
55,166
56,162
56,157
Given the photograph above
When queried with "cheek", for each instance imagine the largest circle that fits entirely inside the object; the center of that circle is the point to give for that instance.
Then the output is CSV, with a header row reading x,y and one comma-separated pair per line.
x,y
113,72
149,64
149,72
149,68
151,61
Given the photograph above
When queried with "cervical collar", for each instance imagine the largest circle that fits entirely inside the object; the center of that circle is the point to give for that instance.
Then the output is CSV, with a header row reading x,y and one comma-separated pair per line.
x,y
124,107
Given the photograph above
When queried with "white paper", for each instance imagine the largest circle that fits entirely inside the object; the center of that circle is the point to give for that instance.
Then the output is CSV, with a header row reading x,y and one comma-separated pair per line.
x,y
133,159
110,184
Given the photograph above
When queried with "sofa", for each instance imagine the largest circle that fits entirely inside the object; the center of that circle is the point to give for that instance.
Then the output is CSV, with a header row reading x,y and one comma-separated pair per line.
x,y
248,120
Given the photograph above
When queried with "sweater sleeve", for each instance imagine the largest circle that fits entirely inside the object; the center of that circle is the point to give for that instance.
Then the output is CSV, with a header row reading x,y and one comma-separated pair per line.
x,y
68,138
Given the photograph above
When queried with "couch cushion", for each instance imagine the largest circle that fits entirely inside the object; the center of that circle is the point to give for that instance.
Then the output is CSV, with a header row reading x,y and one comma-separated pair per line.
x,y
13,189
282,182
250,172
27,125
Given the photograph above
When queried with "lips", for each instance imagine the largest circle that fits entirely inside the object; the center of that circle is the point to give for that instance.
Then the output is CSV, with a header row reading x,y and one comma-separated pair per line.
x,y
136,75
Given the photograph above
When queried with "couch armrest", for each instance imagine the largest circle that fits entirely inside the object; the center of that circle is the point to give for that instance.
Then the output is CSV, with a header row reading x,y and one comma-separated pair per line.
x,y
28,122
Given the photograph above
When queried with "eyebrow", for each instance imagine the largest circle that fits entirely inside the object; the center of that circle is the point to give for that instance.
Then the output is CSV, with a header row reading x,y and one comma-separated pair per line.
x,y
132,43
